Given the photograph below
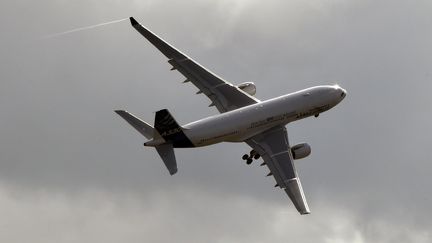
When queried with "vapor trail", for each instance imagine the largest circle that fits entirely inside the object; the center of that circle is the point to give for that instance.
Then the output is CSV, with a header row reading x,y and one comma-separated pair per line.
x,y
82,28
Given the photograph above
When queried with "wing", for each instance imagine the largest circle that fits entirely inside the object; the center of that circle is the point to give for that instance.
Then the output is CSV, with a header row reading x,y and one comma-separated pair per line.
x,y
274,147
222,94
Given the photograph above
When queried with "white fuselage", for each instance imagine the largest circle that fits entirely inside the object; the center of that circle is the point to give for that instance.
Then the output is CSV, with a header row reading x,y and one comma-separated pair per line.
x,y
243,123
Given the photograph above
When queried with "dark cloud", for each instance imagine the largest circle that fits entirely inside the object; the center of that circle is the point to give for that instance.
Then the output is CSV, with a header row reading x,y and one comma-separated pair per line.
x,y
366,181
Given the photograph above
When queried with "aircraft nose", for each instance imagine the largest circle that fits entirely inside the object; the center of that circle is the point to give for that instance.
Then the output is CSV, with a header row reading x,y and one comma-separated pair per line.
x,y
343,93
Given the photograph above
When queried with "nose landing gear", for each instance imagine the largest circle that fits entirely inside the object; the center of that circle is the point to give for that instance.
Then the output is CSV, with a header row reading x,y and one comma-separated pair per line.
x,y
251,156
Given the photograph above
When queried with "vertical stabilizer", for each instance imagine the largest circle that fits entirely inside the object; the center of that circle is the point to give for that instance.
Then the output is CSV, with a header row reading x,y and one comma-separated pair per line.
x,y
170,130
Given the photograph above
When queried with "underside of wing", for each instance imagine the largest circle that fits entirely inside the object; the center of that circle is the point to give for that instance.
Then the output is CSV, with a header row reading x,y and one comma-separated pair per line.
x,y
274,148
223,95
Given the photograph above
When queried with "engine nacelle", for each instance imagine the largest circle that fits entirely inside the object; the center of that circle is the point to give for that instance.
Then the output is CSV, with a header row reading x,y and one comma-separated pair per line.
x,y
301,151
248,87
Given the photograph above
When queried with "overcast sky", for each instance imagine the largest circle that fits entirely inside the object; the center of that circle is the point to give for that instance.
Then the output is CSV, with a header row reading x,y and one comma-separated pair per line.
x,y
72,171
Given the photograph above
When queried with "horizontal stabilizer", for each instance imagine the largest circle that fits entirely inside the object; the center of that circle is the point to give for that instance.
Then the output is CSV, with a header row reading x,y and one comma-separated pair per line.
x,y
141,126
166,152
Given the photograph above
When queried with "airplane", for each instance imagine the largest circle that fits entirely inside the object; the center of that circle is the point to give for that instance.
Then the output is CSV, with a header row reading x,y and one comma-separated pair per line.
x,y
242,118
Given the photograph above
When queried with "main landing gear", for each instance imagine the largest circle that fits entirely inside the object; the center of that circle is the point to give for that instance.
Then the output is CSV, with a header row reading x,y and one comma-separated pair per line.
x,y
252,155
255,155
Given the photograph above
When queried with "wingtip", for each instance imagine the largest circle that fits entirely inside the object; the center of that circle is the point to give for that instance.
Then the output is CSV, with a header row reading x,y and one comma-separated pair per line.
x,y
133,21
173,171
119,111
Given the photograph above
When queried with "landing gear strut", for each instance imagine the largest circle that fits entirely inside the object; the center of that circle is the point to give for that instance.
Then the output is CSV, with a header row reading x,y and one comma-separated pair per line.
x,y
250,157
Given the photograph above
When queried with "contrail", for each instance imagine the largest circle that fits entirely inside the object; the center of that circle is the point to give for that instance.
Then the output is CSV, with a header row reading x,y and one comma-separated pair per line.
x,y
82,28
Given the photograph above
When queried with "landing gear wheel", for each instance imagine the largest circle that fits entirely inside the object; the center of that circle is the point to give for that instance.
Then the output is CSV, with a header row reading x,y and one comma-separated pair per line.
x,y
249,161
245,157
316,115
257,156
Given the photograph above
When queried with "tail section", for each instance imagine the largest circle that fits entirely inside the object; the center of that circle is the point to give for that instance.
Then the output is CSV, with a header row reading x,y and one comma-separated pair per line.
x,y
170,130
166,152
165,136
141,126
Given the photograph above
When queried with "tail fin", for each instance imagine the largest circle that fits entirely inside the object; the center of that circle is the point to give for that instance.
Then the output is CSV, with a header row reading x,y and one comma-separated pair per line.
x,y
170,130
165,150
165,135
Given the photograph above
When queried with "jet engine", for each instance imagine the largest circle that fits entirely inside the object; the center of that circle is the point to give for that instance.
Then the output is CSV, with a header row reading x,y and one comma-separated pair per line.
x,y
248,87
300,151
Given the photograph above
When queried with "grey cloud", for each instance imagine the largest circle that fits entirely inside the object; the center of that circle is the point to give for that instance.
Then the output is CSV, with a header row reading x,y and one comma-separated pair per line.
x,y
369,160
103,216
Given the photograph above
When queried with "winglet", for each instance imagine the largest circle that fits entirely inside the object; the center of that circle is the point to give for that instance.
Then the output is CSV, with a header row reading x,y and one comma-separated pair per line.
x,y
133,21
295,193
168,50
